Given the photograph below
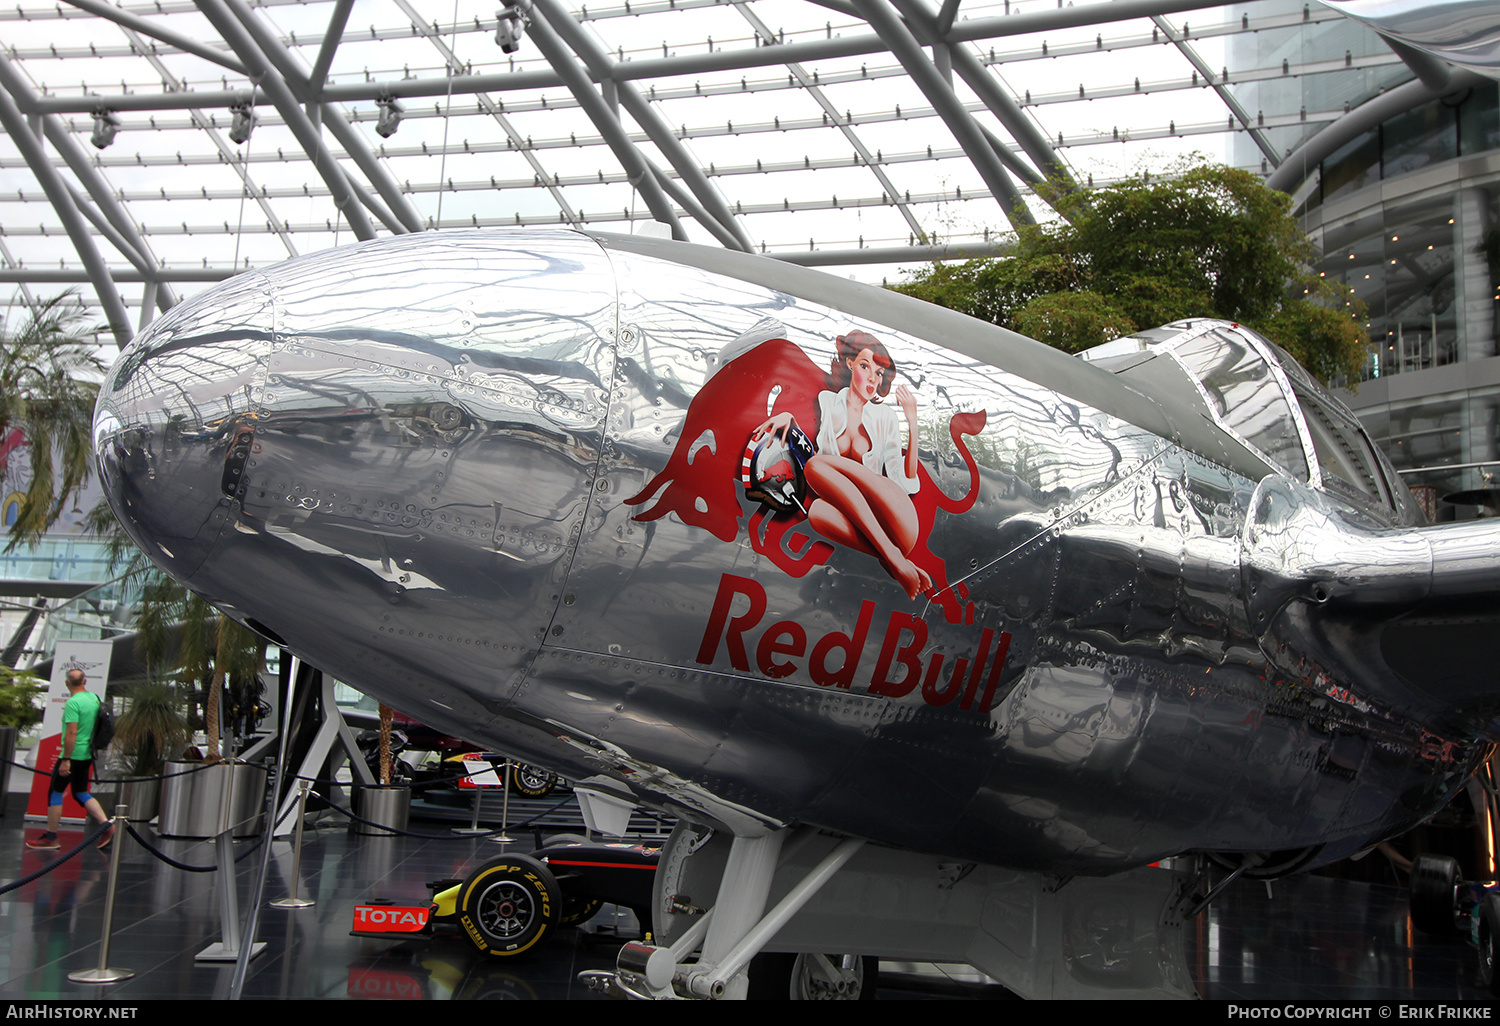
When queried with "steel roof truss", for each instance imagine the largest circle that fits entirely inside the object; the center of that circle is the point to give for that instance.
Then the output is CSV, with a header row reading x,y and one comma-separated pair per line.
x,y
14,123
643,176
602,67
227,25
888,24
331,38
146,27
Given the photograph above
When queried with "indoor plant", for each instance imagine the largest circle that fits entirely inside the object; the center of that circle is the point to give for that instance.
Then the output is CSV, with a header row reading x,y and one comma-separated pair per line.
x,y
152,727
19,690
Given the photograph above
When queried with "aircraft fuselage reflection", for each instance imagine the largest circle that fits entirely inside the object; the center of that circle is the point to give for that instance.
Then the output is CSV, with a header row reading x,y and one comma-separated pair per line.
x,y
499,481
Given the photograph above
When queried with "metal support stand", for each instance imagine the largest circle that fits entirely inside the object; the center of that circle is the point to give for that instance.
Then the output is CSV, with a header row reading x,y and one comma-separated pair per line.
x,y
292,901
333,731
473,827
227,950
502,837
104,974
741,902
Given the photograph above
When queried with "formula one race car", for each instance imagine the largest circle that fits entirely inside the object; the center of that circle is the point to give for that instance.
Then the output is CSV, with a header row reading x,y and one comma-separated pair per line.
x,y
506,906
1441,902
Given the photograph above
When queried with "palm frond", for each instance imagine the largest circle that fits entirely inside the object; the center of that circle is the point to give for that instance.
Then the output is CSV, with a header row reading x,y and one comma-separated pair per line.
x,y
49,380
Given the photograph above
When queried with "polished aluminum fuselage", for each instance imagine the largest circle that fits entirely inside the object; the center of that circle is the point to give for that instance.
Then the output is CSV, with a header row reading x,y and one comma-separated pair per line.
x,y
409,462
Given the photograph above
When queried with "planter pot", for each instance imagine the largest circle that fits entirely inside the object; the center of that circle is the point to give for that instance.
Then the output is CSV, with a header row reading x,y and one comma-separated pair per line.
x,y
193,804
387,806
141,798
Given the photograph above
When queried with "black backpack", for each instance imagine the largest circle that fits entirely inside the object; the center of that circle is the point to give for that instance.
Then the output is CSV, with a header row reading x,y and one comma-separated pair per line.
x,y
104,728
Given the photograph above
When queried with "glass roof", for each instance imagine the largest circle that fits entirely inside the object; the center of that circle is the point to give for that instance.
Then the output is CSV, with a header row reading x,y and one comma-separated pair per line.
x,y
857,134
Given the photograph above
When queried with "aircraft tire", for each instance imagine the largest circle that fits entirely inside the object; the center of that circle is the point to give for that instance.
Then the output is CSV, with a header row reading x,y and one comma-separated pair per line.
x,y
781,976
1434,889
531,781
508,905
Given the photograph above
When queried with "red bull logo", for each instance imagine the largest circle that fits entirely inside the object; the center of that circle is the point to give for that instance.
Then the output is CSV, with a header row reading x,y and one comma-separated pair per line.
x,y
836,659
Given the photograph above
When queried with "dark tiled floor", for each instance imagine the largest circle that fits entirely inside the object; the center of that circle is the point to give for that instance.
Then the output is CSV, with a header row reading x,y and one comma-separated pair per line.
x,y
1319,938
164,916
1311,938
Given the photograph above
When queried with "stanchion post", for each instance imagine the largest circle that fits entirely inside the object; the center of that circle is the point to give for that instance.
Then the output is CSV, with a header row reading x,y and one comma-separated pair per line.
x,y
503,837
104,974
293,901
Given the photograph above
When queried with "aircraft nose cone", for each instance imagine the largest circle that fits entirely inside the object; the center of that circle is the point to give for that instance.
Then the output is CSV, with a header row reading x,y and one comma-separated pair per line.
x,y
175,419
381,456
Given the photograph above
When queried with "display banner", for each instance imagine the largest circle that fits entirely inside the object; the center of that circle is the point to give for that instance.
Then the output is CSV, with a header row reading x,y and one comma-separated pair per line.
x,y
92,657
490,774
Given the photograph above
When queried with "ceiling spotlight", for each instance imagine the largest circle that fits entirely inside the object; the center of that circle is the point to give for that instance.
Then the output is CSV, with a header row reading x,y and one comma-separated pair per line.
x,y
105,127
390,117
510,28
243,124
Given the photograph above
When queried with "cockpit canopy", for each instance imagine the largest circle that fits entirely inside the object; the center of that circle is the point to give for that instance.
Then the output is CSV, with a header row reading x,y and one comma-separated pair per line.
x,y
1253,389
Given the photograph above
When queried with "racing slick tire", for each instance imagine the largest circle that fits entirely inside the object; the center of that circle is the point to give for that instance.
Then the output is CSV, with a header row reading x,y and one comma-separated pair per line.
x,y
1488,914
508,905
531,781
1434,893
779,976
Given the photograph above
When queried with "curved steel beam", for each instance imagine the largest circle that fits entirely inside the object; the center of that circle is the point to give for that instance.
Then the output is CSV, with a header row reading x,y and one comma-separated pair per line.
x,y
946,16
146,27
641,174
228,26
810,258
402,217
1201,66
853,45
1361,119
336,23
1067,17
874,162
904,46
101,225
930,30
231,157
689,202
896,254
601,67
126,238
67,276
466,84
14,123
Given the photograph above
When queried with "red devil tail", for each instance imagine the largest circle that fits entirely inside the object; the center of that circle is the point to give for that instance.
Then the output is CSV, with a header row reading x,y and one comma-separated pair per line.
x,y
964,424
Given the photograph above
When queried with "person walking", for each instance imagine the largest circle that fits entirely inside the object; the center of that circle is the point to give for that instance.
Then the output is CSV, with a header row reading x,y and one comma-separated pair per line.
x,y
77,759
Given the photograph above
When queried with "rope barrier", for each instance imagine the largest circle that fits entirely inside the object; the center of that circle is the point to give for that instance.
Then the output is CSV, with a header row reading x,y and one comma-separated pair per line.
x,y
163,856
261,838
115,780
169,860
49,867
441,837
408,785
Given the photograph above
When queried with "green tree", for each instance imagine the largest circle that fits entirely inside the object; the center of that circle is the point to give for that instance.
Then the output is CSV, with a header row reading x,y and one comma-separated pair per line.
x,y
1064,319
177,631
1205,240
49,379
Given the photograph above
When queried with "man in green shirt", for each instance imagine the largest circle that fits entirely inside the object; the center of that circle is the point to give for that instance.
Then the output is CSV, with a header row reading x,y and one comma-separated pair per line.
x,y
72,769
